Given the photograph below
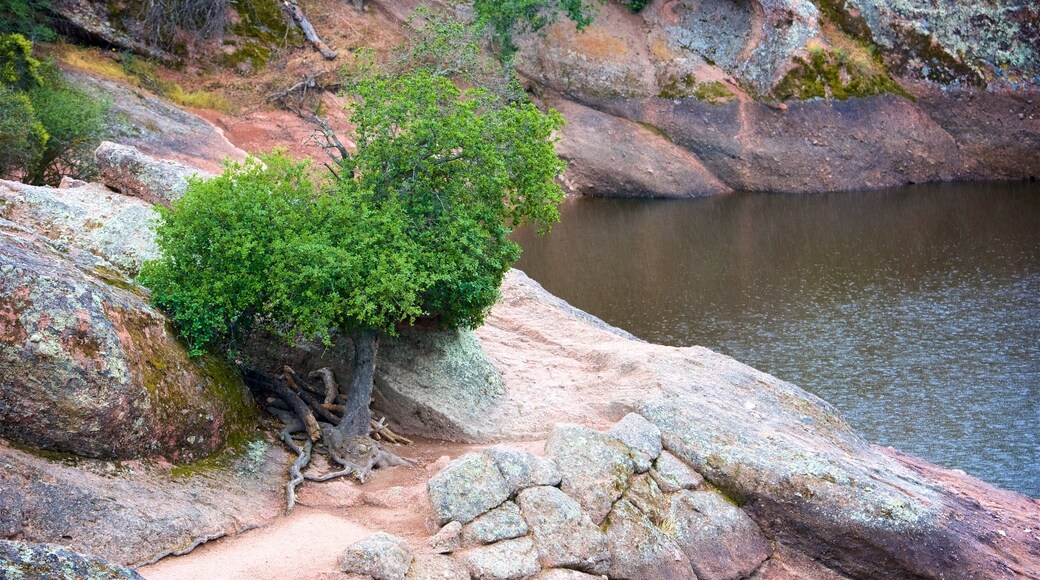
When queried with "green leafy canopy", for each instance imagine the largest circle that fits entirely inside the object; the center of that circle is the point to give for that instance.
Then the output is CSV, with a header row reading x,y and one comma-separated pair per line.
x,y
413,225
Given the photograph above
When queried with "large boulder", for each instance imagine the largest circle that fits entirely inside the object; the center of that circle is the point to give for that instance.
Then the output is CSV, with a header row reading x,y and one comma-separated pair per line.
x,y
131,172
47,562
466,488
157,127
88,367
133,513
382,556
563,532
118,228
719,539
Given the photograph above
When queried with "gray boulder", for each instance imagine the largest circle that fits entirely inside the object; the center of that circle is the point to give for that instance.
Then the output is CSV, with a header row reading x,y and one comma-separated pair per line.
x,y
641,436
564,534
90,368
447,539
506,560
595,468
564,574
671,474
501,523
381,556
436,567
639,549
48,562
116,227
719,539
646,495
522,469
131,172
466,488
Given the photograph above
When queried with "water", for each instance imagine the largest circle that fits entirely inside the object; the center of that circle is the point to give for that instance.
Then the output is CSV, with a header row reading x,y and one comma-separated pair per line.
x,y
916,311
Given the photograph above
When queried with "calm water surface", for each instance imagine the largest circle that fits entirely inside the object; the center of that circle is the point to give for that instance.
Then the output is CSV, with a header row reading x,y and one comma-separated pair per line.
x,y
916,310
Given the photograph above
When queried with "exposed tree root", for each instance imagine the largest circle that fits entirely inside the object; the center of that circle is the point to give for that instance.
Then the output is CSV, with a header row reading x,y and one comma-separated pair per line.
x,y
293,402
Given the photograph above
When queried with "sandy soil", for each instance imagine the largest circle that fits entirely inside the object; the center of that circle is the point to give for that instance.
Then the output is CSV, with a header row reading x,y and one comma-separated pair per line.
x,y
331,515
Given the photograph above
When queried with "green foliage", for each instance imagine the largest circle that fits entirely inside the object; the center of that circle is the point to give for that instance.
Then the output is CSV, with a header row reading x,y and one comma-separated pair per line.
x,y
414,224
48,128
22,137
18,69
636,5
27,17
504,18
830,74
75,124
713,92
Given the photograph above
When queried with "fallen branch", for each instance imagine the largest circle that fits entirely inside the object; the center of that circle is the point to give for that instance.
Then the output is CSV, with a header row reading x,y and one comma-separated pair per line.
x,y
331,388
296,13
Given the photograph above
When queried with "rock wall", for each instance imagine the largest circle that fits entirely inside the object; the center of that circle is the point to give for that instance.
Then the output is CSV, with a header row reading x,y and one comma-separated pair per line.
x,y
693,85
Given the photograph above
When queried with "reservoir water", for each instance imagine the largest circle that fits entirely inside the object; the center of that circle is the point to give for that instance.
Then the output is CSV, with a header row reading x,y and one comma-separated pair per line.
x,y
916,311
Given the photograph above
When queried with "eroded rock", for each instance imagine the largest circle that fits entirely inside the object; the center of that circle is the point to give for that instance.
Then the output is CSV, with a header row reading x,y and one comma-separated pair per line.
x,y
639,549
505,560
642,437
436,567
90,368
563,532
501,523
595,468
21,560
131,172
115,227
671,474
718,538
447,539
382,556
466,488
522,469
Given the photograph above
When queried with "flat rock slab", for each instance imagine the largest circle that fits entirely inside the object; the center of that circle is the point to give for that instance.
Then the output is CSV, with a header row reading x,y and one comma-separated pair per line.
x,y
501,523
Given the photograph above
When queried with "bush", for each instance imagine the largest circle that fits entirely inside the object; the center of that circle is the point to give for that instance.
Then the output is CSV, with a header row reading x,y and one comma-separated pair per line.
x,y
28,17
48,128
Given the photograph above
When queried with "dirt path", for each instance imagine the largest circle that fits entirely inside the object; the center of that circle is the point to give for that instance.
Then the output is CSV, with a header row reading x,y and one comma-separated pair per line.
x,y
330,517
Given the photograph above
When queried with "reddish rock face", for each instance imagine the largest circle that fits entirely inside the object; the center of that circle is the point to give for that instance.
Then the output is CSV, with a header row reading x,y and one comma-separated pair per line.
x,y
91,369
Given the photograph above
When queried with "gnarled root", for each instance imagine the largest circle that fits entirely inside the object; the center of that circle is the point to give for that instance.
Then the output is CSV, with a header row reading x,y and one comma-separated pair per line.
x,y
292,400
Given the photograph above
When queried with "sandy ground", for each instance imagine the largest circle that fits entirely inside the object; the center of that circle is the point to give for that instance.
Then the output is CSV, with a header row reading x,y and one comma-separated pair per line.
x,y
330,516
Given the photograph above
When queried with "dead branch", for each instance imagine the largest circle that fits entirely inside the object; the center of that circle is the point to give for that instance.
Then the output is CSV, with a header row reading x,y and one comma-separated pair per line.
x,y
260,380
331,388
380,430
296,13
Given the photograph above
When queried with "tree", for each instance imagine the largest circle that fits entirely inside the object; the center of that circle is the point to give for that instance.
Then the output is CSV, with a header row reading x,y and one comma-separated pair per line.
x,y
413,225
48,128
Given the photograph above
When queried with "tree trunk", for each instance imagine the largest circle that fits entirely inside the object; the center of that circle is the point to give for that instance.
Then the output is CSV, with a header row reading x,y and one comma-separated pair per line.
x,y
357,421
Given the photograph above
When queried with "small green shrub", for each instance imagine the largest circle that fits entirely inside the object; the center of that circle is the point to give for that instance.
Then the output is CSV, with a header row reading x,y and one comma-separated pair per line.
x,y
503,18
48,128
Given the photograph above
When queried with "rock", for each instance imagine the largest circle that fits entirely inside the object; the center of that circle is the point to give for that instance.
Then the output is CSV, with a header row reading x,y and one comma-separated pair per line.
x,y
564,574
506,560
381,556
435,567
466,488
812,146
447,539
639,549
159,128
648,498
522,469
130,172
113,226
719,539
43,561
135,512
671,474
563,533
595,467
612,157
642,437
962,44
501,523
100,20
419,371
90,368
